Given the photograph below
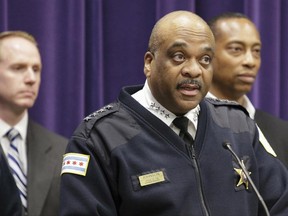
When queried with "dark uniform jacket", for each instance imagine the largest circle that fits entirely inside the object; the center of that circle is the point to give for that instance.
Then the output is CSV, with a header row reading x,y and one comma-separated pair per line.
x,y
122,160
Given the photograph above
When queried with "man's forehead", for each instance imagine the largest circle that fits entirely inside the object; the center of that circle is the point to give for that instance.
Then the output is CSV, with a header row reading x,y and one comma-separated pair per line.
x,y
239,25
191,35
203,47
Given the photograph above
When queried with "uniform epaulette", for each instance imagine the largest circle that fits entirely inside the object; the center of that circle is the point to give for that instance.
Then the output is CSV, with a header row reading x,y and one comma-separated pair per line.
x,y
223,102
84,129
91,119
217,101
110,108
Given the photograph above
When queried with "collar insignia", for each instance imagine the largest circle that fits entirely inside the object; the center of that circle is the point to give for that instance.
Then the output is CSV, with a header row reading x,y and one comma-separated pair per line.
x,y
158,109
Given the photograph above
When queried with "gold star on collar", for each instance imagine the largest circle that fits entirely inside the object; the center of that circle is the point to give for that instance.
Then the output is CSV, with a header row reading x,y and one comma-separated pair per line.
x,y
243,179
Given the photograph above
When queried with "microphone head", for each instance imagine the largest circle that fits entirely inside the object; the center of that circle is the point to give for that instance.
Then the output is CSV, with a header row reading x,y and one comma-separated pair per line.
x,y
226,145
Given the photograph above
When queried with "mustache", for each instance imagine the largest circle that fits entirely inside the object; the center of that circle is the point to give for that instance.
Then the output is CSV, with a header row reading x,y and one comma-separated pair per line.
x,y
190,82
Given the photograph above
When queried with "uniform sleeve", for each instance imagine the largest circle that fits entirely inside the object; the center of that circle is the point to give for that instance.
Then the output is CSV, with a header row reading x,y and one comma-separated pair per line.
x,y
85,192
273,179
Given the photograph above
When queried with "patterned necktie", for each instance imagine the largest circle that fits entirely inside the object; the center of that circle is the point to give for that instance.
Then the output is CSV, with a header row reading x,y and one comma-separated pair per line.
x,y
182,124
16,165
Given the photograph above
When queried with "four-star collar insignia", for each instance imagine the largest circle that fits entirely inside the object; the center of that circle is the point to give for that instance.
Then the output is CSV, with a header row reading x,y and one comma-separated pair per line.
x,y
158,109
240,179
163,112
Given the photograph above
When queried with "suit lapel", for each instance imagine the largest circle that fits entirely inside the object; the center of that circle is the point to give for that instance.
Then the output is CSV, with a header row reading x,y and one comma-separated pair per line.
x,y
39,165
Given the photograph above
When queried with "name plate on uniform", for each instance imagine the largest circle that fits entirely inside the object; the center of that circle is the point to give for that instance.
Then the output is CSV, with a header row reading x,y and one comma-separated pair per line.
x,y
151,178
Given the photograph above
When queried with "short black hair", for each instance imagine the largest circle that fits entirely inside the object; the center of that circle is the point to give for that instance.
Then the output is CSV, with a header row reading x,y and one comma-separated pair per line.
x,y
227,15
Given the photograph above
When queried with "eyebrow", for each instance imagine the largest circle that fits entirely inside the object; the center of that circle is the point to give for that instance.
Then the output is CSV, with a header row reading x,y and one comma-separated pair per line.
x,y
243,43
178,44
208,49
182,44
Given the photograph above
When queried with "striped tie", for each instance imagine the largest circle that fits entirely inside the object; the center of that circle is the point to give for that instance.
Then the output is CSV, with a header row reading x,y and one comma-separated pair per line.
x,y
16,165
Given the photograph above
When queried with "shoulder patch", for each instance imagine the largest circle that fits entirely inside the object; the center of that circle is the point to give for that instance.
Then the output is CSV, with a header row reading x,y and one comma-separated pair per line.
x,y
102,112
75,163
221,102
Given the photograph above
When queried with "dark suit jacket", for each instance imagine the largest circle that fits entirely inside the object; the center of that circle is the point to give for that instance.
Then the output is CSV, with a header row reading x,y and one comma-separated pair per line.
x,y
10,203
45,154
276,132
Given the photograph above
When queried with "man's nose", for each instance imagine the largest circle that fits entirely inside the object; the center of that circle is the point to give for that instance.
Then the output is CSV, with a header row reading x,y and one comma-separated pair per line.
x,y
192,69
30,75
249,59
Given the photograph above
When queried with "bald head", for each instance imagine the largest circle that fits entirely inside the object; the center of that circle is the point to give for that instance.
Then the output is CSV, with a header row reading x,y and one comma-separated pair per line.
x,y
177,20
178,64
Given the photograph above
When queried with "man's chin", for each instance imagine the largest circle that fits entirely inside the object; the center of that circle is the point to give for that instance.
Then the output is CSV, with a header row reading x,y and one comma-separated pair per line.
x,y
26,104
186,107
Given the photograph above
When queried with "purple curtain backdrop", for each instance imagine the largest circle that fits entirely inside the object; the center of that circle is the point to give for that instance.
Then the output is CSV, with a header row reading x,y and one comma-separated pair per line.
x,y
91,48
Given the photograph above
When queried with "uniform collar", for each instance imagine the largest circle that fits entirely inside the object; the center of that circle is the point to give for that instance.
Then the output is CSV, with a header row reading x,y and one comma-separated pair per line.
x,y
147,100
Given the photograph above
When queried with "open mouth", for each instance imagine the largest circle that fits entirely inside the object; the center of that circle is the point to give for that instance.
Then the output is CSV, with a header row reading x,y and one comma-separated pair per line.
x,y
189,88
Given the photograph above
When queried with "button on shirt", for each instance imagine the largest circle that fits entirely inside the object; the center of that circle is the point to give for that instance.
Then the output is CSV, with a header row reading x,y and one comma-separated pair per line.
x,y
147,100
21,127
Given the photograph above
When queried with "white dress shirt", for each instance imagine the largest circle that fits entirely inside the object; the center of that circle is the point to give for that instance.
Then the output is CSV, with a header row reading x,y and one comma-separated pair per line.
x,y
21,127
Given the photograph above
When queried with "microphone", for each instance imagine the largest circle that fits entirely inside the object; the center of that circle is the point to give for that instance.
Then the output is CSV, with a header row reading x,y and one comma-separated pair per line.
x,y
227,146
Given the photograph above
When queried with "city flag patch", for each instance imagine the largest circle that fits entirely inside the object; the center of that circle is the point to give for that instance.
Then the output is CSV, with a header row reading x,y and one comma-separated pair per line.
x,y
75,163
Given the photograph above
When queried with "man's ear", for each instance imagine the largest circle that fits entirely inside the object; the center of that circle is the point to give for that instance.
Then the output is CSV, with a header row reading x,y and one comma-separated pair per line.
x,y
148,59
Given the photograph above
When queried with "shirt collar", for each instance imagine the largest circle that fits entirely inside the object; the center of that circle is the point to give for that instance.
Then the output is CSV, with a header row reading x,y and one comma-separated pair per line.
x,y
249,107
147,100
21,127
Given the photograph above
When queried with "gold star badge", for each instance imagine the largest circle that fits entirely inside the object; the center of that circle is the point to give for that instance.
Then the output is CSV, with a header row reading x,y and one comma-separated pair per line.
x,y
243,179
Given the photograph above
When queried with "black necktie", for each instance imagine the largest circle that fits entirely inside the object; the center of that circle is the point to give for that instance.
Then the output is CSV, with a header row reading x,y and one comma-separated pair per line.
x,y
182,124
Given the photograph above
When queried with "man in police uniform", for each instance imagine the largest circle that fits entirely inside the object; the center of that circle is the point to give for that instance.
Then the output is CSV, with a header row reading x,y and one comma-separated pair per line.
x,y
159,150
